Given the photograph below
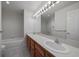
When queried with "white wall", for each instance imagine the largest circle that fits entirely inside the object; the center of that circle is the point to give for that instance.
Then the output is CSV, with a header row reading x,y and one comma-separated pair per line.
x,y
12,23
31,25
0,29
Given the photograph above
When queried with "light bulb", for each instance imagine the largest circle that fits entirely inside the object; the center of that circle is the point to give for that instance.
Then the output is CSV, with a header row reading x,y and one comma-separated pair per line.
x,y
49,7
57,2
53,5
49,2
7,2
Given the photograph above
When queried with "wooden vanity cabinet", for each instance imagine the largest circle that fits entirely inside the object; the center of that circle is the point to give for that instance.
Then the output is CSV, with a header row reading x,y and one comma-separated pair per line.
x,y
37,50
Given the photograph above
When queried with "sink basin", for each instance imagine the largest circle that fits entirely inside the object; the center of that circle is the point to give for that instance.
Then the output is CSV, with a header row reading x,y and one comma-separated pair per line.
x,y
61,48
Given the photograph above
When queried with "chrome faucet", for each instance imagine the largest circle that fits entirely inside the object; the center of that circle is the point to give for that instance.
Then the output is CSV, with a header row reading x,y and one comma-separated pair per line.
x,y
57,41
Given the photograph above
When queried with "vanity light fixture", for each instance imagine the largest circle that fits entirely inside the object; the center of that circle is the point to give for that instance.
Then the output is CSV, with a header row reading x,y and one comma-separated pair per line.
x,y
46,7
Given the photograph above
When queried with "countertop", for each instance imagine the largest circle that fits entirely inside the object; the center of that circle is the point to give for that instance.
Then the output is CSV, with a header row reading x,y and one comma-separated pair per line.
x,y
73,51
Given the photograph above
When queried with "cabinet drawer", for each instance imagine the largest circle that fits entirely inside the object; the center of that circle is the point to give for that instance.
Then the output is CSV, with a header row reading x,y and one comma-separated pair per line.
x,y
32,44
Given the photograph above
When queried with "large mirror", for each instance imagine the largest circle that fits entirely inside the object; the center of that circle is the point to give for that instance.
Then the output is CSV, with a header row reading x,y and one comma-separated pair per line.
x,y
62,20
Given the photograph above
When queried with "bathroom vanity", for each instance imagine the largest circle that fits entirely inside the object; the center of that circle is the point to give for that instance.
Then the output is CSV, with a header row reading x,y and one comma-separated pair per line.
x,y
37,47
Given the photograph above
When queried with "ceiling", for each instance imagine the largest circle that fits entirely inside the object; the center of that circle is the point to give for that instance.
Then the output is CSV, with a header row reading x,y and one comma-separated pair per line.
x,y
21,5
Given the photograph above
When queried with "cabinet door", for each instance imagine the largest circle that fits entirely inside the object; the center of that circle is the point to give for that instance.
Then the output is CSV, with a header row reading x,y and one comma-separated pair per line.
x,y
32,52
28,42
39,52
32,48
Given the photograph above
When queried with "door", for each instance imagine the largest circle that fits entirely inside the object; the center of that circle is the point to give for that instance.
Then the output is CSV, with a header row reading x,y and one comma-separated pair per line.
x,y
73,24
